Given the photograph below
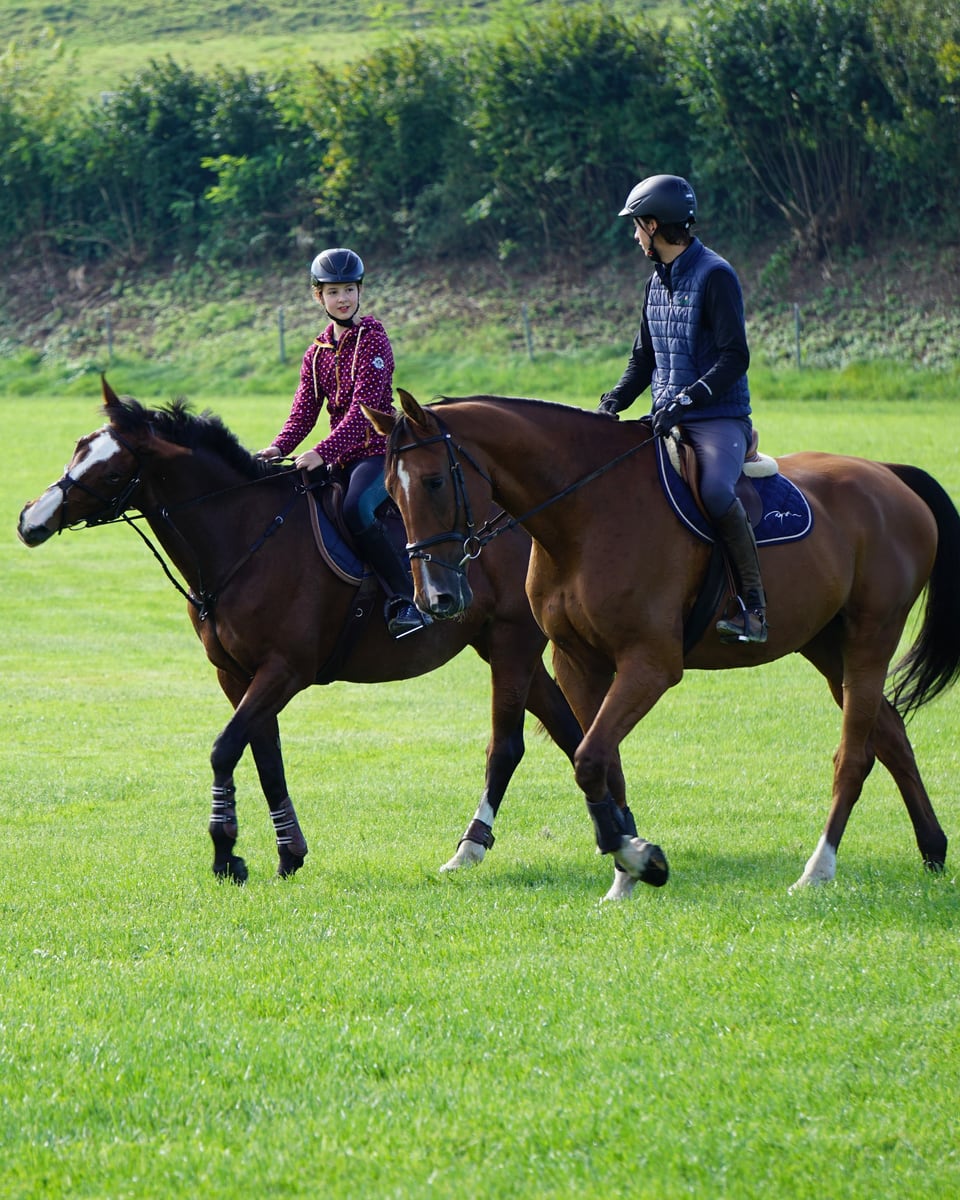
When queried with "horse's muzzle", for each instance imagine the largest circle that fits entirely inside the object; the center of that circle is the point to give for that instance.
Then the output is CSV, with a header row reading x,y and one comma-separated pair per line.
x,y
444,605
32,535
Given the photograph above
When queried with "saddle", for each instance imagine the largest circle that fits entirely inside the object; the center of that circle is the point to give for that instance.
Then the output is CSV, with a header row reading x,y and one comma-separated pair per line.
x,y
339,551
775,507
755,466
334,541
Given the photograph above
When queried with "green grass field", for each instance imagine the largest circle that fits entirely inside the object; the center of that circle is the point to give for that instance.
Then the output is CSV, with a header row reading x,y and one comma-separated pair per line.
x,y
371,1027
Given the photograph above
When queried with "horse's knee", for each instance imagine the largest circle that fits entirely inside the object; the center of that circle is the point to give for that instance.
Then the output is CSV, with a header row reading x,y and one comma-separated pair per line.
x,y
590,770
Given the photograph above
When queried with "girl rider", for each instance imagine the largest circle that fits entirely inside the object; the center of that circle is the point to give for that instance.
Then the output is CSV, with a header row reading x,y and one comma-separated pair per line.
x,y
349,364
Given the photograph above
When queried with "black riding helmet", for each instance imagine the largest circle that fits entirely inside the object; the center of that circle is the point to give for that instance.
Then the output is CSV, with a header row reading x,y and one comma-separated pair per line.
x,y
337,265
667,198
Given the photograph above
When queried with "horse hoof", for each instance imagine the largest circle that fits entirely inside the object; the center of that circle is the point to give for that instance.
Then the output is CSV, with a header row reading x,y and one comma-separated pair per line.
x,y
656,873
288,867
643,861
621,889
234,869
935,865
469,854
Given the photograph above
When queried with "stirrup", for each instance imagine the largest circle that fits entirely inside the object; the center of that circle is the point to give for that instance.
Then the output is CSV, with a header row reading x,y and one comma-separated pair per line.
x,y
403,617
749,625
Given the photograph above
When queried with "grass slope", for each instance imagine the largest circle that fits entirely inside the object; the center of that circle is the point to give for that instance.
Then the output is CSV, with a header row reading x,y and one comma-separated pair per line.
x,y
104,42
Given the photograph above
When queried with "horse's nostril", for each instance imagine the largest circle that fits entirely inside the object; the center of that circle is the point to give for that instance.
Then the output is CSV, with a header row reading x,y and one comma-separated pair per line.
x,y
445,605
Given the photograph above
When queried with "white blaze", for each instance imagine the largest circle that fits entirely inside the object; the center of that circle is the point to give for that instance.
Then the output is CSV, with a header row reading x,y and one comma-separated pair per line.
x,y
43,512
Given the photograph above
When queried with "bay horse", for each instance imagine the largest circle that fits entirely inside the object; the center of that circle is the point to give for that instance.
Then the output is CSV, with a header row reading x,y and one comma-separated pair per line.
x,y
614,576
272,614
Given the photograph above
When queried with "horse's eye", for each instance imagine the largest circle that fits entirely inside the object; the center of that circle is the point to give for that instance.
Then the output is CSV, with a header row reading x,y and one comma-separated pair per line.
x,y
433,483
113,478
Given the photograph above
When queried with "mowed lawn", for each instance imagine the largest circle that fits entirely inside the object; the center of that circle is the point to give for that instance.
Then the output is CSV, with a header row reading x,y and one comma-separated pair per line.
x,y
373,1028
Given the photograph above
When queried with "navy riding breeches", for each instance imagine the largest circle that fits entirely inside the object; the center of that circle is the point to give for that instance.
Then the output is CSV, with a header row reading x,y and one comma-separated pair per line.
x,y
720,444
365,493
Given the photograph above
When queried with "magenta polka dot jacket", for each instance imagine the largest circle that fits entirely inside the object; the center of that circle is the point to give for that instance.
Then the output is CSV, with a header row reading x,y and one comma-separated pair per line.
x,y
358,369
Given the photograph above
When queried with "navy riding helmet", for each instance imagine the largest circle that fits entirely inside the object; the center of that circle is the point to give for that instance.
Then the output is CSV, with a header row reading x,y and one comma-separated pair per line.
x,y
337,265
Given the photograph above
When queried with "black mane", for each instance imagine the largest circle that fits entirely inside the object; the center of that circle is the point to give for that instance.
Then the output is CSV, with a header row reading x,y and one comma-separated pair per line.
x,y
177,423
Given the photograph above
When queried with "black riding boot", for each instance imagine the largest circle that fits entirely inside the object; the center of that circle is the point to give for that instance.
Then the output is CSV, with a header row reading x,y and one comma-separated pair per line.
x,y
750,624
401,614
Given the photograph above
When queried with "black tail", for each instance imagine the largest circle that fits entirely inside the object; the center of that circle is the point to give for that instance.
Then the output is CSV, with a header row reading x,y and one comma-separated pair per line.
x,y
932,664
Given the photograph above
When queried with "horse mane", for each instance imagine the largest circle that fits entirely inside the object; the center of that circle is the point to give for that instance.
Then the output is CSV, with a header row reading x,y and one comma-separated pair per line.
x,y
177,422
519,401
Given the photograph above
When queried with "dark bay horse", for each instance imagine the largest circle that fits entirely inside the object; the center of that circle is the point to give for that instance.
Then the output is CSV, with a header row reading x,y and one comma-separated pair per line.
x,y
271,613
614,575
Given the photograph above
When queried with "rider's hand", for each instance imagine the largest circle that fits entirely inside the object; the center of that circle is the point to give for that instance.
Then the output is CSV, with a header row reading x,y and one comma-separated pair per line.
x,y
309,460
670,414
268,452
608,406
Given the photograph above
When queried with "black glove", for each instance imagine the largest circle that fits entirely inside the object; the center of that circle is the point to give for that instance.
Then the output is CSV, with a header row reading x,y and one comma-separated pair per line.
x,y
608,406
672,413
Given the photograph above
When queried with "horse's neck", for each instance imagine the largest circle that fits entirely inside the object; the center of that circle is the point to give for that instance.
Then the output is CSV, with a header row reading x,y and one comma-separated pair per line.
x,y
200,513
531,465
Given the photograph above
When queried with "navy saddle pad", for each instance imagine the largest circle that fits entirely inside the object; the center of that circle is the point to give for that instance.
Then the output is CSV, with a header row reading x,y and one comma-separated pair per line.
x,y
785,515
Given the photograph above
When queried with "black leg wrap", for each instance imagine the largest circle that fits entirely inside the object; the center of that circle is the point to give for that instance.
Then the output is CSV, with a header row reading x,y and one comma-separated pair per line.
x,y
223,815
479,832
610,824
290,837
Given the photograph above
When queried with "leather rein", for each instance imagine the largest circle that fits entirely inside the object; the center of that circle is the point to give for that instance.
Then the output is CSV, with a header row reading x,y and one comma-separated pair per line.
x,y
473,540
114,510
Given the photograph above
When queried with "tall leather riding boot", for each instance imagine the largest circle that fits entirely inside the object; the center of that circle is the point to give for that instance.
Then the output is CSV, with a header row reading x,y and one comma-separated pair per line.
x,y
750,624
402,615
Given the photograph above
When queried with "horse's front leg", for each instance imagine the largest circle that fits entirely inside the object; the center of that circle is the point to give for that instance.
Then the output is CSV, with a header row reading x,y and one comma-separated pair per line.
x,y
609,706
254,721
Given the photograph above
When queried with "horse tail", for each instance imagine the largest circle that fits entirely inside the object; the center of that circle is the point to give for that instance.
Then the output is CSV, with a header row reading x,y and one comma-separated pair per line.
x,y
932,664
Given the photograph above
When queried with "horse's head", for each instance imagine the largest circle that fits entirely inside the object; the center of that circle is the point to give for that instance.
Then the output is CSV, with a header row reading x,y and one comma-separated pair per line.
x,y
100,480
424,476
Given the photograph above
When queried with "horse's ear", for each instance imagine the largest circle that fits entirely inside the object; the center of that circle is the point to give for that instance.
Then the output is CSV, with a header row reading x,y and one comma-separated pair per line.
x,y
412,409
110,397
383,422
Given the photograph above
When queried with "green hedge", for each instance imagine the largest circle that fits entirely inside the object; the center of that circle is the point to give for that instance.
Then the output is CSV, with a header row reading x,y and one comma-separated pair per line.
x,y
823,121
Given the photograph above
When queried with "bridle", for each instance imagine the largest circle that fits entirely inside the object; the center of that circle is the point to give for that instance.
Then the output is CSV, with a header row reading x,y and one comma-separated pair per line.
x,y
114,509
473,541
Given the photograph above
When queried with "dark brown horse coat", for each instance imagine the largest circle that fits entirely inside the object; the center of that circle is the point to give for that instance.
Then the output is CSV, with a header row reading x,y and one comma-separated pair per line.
x,y
271,613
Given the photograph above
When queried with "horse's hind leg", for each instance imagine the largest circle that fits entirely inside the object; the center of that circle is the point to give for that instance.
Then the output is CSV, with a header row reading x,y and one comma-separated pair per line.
x,y
871,729
895,752
268,757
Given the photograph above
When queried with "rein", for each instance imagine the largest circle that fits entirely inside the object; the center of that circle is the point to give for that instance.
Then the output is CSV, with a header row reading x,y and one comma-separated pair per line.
x,y
205,601
473,541
114,510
